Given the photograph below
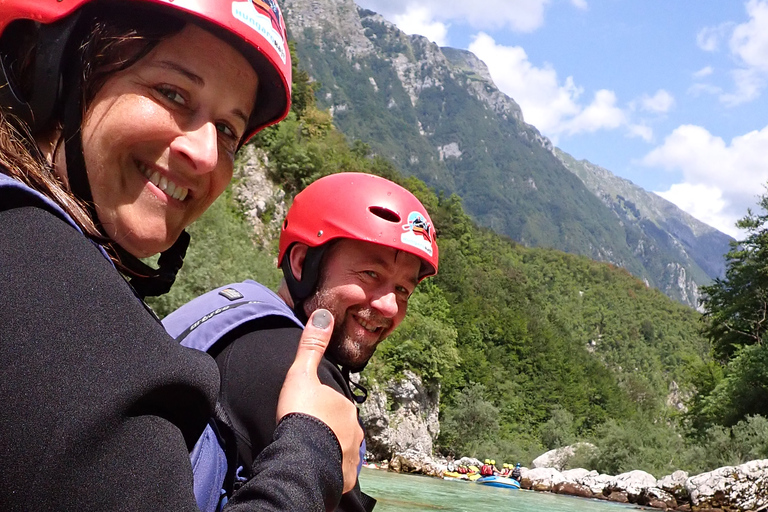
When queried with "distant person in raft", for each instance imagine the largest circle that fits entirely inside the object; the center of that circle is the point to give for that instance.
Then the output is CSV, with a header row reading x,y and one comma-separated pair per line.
x,y
352,243
516,472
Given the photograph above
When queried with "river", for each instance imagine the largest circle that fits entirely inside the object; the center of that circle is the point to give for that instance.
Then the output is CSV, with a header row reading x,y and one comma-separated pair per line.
x,y
406,493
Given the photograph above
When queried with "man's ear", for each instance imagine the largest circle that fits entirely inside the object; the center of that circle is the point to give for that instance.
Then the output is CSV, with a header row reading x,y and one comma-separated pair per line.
x,y
296,259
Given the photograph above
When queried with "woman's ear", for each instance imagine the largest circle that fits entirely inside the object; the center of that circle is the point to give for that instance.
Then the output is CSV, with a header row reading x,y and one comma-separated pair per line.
x,y
296,258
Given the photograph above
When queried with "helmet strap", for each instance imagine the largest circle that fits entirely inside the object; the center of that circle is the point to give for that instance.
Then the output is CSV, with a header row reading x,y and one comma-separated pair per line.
x,y
300,290
151,282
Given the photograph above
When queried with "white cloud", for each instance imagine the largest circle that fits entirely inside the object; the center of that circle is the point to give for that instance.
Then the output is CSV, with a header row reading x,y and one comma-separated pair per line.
x,y
580,4
517,15
749,84
748,45
705,71
601,114
697,89
719,180
749,41
418,20
554,107
643,131
705,204
709,38
660,103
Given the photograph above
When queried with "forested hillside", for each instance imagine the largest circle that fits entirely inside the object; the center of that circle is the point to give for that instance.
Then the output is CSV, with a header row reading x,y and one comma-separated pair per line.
x,y
437,115
530,348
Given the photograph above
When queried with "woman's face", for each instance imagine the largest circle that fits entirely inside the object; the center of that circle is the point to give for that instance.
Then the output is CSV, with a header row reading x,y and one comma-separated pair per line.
x,y
159,138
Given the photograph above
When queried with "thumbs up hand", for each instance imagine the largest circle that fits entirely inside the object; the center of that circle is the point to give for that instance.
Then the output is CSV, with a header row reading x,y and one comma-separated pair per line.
x,y
304,393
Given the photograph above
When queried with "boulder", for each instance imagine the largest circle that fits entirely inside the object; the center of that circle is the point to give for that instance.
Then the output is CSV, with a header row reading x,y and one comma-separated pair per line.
x,y
597,482
618,497
572,489
559,457
415,462
540,479
577,474
736,488
657,498
632,483
675,485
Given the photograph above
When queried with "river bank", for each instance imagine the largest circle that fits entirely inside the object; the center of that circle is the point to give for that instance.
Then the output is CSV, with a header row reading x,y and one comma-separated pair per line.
x,y
740,488
415,493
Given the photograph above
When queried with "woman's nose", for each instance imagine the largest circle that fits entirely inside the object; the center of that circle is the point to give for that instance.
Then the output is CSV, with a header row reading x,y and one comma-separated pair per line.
x,y
199,146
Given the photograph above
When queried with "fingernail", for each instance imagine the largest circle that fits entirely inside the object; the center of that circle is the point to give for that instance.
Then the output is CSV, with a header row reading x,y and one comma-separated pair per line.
x,y
321,319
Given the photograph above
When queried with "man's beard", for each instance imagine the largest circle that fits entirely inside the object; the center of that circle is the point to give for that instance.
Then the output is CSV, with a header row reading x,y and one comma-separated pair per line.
x,y
344,349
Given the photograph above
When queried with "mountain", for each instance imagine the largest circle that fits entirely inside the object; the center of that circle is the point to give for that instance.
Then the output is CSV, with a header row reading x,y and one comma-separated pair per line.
x,y
436,113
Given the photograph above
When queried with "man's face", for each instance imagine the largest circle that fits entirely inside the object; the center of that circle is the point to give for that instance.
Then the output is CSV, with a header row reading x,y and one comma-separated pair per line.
x,y
366,287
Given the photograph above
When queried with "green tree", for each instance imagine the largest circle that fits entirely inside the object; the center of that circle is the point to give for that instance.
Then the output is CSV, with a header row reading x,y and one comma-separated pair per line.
x,y
559,430
736,307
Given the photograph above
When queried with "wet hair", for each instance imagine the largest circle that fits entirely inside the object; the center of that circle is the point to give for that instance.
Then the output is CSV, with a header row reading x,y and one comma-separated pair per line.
x,y
108,38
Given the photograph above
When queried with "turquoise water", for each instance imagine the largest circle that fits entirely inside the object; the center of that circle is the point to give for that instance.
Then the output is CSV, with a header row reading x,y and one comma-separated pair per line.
x,y
405,493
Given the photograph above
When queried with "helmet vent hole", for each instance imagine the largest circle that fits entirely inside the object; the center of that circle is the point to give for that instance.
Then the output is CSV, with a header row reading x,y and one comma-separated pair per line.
x,y
384,213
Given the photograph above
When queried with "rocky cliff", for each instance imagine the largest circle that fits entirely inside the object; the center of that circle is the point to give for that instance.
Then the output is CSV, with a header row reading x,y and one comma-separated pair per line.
x,y
401,416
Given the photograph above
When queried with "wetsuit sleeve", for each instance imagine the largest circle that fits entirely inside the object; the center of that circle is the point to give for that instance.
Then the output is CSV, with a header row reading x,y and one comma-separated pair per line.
x,y
100,405
299,470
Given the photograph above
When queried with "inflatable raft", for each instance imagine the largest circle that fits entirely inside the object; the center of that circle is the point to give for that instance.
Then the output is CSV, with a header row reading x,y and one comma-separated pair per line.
x,y
499,481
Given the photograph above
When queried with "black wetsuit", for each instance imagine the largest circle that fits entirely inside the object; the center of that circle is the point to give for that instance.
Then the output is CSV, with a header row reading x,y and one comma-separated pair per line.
x,y
253,360
100,406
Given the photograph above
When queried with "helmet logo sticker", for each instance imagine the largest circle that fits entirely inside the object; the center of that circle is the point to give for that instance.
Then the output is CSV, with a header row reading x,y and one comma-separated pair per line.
x,y
264,17
418,233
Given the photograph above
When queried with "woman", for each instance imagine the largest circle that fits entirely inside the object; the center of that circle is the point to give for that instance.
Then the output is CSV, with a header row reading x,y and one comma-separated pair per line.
x,y
120,121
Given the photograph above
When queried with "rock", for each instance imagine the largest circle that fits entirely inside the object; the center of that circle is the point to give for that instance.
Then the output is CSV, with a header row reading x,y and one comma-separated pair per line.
x,y
632,483
675,485
572,489
618,497
657,498
540,479
402,417
415,462
734,488
577,474
559,457
263,202
597,482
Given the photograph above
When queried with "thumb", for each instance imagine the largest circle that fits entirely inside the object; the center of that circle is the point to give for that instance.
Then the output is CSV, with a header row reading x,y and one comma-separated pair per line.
x,y
299,392
314,341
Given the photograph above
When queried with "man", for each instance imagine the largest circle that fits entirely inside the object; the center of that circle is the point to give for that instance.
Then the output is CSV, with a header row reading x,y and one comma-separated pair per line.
x,y
354,244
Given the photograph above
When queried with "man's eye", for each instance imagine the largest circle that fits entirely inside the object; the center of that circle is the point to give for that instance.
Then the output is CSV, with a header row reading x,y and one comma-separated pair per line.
x,y
371,273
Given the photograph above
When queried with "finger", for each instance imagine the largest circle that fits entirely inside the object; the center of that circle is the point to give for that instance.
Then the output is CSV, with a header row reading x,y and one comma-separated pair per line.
x,y
314,341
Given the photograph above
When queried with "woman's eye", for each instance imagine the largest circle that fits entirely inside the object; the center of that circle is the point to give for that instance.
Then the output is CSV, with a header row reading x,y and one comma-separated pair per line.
x,y
226,130
172,94
371,273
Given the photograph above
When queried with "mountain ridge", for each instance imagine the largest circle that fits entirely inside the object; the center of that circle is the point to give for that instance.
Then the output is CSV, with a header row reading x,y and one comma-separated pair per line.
x,y
436,113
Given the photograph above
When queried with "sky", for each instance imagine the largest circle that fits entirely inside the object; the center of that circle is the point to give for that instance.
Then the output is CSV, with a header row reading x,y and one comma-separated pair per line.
x,y
669,94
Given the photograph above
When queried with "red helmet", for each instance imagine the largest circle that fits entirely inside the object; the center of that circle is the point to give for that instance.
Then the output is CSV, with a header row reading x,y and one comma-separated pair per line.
x,y
361,207
255,27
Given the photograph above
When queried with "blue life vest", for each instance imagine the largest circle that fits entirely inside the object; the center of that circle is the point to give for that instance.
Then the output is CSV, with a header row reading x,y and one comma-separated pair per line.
x,y
200,324
13,188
